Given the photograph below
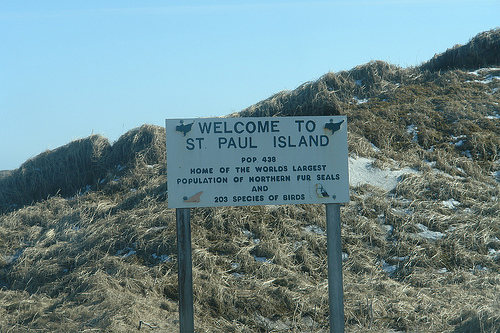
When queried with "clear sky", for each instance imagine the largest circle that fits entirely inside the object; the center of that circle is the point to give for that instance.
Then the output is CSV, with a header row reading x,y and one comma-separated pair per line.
x,y
72,68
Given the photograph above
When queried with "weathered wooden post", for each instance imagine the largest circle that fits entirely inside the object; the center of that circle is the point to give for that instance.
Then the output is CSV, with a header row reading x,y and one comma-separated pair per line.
x,y
335,284
185,267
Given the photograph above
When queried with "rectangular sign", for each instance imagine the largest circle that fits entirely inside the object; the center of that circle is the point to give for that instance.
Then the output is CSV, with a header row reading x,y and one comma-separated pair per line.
x,y
256,161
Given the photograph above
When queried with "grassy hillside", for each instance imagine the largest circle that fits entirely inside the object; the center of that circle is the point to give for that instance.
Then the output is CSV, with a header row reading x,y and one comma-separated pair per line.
x,y
87,242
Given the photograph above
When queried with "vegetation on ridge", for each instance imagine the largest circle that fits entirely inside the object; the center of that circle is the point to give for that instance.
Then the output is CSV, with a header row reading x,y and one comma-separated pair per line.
x,y
87,242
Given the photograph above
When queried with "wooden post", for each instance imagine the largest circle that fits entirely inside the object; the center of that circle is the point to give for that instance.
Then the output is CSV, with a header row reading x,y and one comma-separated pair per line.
x,y
335,284
184,260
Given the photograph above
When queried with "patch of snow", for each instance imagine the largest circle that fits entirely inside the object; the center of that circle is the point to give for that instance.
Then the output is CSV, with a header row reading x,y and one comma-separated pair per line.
x,y
467,153
298,244
484,70
375,148
130,253
345,256
388,229
359,82
431,164
361,171
494,254
235,265
11,259
162,258
156,229
263,260
451,203
480,268
389,269
495,116
250,235
412,130
314,229
488,79
442,270
428,234
360,100
401,212
459,140
85,190
124,254
247,233
496,174
271,325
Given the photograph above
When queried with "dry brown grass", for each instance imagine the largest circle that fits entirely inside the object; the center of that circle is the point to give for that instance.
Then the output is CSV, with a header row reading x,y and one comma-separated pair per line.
x,y
103,259
481,51
64,170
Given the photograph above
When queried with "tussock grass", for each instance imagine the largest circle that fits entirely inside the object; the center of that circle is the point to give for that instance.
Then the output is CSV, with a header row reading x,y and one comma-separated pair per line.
x,y
80,165
481,51
91,244
64,170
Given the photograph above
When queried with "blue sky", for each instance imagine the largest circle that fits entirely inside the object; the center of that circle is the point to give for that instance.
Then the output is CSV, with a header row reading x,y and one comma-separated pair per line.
x,y
69,69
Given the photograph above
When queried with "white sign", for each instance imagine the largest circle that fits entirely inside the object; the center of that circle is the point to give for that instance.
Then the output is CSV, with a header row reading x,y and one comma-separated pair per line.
x,y
256,161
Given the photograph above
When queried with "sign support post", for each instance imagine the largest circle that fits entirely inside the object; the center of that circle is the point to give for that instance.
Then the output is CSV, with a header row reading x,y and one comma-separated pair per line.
x,y
335,283
184,261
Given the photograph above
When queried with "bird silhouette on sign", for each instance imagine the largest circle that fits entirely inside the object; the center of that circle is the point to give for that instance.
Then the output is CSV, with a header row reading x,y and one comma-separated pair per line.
x,y
321,192
334,127
184,128
193,198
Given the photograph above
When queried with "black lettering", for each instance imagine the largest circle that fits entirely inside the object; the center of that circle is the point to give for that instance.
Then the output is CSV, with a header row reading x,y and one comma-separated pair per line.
x,y
250,127
238,123
262,127
204,127
201,170
217,126
231,143
260,188
299,124
190,144
274,125
310,126
294,197
226,130
328,177
222,141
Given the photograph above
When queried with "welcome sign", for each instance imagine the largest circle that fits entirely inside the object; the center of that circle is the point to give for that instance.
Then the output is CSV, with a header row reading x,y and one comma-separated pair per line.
x,y
256,161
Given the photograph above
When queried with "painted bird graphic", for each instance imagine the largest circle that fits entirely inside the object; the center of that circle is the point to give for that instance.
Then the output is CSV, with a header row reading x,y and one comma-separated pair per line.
x,y
321,192
184,128
334,127
193,198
